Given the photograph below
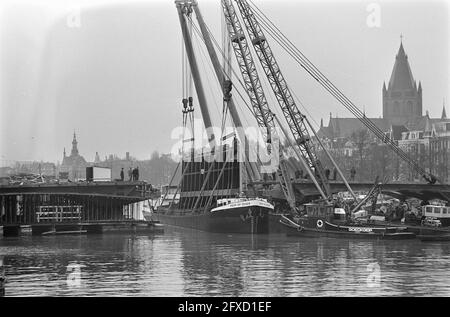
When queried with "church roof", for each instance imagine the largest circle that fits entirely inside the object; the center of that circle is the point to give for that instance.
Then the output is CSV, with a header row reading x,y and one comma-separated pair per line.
x,y
344,127
423,123
401,77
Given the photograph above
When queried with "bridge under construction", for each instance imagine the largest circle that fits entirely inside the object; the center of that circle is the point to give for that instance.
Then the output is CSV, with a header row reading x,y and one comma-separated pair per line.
x,y
90,207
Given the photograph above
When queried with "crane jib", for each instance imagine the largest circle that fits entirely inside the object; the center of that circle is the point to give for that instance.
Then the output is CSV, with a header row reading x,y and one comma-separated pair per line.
x,y
283,95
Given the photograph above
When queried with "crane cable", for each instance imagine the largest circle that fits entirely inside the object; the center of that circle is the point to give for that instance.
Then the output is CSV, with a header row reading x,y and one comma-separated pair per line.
x,y
306,64
340,96
198,32
343,100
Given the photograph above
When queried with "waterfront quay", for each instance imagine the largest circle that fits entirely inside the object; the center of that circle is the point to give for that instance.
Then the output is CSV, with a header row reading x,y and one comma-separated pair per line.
x,y
91,207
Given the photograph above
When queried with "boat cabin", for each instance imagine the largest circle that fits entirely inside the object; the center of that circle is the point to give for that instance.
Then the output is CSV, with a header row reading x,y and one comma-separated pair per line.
x,y
320,211
339,214
226,201
440,212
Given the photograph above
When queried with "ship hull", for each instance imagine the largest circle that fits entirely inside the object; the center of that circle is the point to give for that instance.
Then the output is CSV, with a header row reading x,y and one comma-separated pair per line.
x,y
307,232
253,220
346,232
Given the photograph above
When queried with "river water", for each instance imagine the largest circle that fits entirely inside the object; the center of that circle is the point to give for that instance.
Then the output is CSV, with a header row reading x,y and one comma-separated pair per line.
x,y
182,262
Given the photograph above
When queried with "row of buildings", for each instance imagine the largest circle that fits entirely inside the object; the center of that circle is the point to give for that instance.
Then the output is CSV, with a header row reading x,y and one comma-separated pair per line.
x,y
425,139
158,169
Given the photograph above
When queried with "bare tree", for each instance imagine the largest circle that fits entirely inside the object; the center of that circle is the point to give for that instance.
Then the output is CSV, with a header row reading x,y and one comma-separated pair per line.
x,y
361,139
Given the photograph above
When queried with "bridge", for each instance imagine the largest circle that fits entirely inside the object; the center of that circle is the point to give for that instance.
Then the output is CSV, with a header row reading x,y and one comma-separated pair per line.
x,y
306,190
71,206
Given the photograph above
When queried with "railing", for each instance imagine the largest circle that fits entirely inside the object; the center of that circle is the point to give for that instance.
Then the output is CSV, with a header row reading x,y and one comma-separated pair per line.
x,y
59,213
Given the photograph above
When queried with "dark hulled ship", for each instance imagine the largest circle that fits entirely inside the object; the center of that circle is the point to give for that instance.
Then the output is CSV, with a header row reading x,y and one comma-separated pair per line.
x,y
211,197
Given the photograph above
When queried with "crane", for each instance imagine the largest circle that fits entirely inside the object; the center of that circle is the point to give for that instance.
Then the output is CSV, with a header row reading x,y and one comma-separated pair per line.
x,y
302,145
296,120
261,111
264,117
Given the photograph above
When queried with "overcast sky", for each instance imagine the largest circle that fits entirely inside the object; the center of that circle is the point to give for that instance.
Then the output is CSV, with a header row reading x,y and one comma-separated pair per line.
x,y
114,74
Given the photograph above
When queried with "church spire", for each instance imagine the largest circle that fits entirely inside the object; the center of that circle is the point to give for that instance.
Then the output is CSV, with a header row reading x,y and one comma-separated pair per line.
x,y
401,77
74,151
444,114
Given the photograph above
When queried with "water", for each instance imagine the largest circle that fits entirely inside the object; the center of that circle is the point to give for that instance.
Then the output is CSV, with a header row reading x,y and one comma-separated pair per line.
x,y
184,262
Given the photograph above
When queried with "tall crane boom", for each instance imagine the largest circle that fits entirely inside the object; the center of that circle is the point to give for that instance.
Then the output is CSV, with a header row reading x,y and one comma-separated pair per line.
x,y
264,117
255,92
293,116
247,68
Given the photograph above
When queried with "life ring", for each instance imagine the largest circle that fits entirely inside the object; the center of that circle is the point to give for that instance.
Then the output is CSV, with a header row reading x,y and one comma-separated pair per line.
x,y
319,223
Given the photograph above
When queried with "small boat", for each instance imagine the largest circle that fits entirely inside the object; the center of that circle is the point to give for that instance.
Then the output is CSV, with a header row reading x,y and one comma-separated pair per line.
x,y
322,220
434,237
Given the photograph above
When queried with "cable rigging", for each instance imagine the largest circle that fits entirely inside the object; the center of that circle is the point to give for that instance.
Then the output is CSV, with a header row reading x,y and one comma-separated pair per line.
x,y
310,68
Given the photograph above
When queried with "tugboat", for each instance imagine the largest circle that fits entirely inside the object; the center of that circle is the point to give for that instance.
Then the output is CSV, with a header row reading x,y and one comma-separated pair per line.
x,y
323,220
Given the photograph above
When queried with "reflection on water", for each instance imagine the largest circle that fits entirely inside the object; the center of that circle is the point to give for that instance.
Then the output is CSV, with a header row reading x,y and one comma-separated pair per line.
x,y
184,262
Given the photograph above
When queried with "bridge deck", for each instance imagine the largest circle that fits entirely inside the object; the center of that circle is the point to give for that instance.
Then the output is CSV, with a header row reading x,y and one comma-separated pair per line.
x,y
136,189
305,189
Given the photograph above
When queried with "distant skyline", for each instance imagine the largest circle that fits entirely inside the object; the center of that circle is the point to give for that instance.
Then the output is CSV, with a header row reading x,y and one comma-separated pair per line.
x,y
111,70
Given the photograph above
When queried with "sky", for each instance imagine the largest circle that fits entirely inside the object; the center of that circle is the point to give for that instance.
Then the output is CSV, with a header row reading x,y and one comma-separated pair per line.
x,y
112,70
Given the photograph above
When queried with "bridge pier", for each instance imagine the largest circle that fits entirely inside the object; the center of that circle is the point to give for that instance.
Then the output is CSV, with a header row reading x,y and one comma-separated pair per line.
x,y
11,231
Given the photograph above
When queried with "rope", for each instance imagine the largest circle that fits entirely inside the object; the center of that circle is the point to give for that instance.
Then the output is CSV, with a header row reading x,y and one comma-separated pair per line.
x,y
241,95
307,65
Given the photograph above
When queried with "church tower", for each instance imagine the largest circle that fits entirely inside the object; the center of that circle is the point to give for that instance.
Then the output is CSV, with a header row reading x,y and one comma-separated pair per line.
x,y
402,99
74,145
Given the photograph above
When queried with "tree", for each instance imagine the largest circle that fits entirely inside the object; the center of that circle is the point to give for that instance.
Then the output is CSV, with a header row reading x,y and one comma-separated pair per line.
x,y
361,139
